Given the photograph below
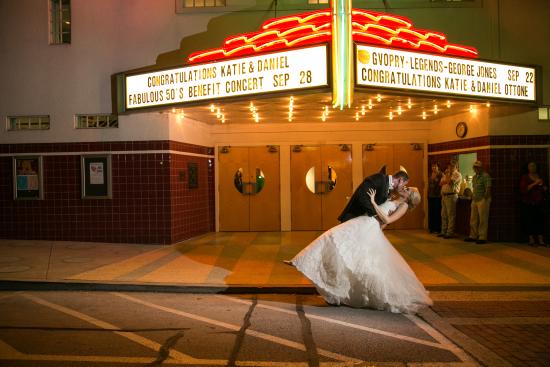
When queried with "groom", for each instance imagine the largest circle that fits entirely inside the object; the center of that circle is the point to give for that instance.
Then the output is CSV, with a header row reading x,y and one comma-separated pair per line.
x,y
360,204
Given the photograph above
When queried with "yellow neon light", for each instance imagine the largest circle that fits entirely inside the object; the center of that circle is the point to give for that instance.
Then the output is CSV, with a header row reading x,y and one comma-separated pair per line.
x,y
258,48
277,33
415,45
396,32
296,19
379,18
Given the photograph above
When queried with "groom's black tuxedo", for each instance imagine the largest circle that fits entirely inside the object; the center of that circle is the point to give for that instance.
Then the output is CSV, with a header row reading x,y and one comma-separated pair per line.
x,y
360,204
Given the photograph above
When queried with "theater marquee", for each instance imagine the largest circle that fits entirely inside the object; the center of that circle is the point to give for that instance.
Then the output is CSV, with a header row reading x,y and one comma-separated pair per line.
x,y
280,71
412,71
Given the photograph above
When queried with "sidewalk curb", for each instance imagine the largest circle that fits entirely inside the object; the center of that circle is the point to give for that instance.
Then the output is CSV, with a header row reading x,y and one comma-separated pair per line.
x,y
59,285
34,285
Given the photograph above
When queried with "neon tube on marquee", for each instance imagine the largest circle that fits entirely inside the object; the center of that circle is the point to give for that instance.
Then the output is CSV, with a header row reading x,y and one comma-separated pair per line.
x,y
381,67
274,72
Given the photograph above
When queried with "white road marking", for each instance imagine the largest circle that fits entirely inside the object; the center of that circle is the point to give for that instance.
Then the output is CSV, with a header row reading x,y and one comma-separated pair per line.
x,y
4,296
486,356
8,351
463,356
105,325
348,324
258,334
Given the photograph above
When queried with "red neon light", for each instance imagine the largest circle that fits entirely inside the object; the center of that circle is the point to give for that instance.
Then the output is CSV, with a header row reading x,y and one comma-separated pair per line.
x,y
315,27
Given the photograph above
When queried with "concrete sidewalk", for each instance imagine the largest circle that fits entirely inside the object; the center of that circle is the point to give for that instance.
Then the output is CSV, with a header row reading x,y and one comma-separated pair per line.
x,y
252,261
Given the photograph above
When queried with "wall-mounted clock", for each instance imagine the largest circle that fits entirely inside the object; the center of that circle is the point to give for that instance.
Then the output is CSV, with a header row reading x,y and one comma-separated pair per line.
x,y
461,129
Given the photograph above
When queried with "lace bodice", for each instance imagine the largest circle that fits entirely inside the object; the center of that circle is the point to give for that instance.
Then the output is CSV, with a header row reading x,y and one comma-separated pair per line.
x,y
388,207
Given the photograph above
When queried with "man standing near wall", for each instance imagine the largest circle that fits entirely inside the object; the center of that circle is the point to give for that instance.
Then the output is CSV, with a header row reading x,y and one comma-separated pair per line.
x,y
450,186
481,201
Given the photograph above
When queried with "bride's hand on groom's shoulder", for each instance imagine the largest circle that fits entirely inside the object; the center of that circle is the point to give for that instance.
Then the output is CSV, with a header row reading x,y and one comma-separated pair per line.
x,y
372,193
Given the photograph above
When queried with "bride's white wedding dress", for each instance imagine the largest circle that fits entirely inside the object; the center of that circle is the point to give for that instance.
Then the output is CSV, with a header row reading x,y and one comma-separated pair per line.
x,y
355,264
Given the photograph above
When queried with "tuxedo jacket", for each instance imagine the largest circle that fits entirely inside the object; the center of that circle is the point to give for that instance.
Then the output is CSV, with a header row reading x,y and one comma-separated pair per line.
x,y
360,204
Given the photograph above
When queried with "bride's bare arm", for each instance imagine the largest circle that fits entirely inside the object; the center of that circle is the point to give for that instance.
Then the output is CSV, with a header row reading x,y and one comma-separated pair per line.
x,y
386,219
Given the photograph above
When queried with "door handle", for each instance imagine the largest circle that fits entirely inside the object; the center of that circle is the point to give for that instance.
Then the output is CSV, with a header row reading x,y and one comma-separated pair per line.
x,y
251,191
320,187
323,187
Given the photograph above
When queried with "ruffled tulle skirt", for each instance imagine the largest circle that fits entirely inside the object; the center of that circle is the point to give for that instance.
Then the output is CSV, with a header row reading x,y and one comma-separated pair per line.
x,y
354,264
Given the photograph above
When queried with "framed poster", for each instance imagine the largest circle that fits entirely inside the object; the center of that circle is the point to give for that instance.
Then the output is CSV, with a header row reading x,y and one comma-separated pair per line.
x,y
193,175
96,176
27,178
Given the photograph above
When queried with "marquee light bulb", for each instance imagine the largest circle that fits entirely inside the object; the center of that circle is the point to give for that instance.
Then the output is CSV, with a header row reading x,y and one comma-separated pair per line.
x,y
399,110
356,116
488,104
363,111
370,104
409,104
391,115
423,115
448,103
435,109
212,108
379,98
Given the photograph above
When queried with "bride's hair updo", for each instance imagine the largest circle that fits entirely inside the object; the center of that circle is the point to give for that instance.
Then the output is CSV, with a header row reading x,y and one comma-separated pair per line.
x,y
414,197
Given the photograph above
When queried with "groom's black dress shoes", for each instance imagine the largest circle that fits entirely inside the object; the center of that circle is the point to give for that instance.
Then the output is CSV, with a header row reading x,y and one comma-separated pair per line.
x,y
470,239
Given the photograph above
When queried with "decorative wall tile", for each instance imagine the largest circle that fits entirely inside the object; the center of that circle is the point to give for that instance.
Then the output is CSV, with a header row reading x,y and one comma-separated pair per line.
x,y
148,204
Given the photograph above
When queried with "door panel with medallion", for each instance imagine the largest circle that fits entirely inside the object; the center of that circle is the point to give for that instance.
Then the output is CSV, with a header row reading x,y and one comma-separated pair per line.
x,y
321,179
249,189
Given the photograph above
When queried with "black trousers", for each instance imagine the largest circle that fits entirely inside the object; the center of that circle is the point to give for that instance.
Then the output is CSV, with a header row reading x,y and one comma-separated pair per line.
x,y
434,214
534,219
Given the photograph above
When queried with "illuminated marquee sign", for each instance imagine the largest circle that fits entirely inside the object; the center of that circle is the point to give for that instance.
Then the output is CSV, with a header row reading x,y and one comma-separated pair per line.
x,y
387,68
274,72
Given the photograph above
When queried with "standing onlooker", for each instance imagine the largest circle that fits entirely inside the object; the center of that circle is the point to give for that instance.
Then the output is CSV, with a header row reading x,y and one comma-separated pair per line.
x,y
481,201
450,186
532,194
434,199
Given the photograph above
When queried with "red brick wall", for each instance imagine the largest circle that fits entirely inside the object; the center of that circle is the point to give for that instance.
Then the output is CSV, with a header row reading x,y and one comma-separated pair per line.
x,y
504,158
192,209
148,204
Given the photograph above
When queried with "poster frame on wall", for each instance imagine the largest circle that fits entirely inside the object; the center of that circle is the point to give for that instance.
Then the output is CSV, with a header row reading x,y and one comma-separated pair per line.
x,y
34,164
96,176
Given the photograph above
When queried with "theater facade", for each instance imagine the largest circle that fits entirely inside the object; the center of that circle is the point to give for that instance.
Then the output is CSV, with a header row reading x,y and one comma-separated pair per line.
x,y
159,123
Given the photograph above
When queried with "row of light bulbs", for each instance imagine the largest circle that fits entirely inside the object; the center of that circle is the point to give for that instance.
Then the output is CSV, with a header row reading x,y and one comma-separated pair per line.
x,y
218,112
254,112
179,113
325,111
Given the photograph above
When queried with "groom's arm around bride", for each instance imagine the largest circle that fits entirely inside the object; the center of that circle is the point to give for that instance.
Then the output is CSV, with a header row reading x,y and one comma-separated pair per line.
x,y
360,204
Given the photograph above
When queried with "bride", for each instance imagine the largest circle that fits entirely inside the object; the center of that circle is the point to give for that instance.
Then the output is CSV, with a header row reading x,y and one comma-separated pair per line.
x,y
354,263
